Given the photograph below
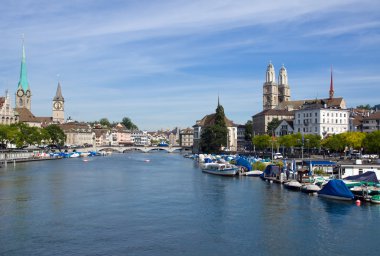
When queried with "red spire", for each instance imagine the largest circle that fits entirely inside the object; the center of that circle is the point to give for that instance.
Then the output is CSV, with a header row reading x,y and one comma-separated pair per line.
x,y
331,92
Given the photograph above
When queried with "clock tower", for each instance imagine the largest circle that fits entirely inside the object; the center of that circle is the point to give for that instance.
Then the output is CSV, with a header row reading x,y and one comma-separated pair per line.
x,y
58,106
23,93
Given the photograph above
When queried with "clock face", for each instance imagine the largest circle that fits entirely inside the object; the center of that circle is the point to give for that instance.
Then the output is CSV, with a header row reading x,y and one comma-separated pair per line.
x,y
58,105
20,93
28,93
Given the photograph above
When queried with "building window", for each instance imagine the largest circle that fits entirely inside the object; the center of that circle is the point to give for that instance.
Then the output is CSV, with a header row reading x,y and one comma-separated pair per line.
x,y
315,129
316,114
316,120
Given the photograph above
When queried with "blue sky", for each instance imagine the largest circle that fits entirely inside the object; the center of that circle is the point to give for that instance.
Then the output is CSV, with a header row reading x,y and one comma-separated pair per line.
x,y
163,63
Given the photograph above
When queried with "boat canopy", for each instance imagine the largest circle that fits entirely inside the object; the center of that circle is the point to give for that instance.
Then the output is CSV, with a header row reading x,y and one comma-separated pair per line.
x,y
336,188
241,161
369,176
272,169
208,160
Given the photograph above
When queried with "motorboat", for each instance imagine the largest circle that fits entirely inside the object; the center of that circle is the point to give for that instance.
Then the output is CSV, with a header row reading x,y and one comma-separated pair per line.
x,y
254,173
375,199
310,188
293,185
220,169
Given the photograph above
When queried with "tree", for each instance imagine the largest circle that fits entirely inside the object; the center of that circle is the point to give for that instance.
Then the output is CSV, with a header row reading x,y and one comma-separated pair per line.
x,y
105,122
367,107
371,143
55,134
127,122
248,130
272,125
214,136
353,139
261,141
334,142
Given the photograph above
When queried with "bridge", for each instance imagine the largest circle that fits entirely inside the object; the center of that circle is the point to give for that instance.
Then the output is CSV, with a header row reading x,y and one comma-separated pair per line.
x,y
142,149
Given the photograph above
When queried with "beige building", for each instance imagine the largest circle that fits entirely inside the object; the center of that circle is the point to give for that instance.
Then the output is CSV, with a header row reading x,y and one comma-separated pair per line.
x,y
122,135
186,137
7,113
273,93
261,120
371,123
78,134
58,106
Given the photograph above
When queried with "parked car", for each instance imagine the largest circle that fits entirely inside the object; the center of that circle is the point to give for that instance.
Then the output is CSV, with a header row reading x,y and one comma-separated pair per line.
x,y
277,156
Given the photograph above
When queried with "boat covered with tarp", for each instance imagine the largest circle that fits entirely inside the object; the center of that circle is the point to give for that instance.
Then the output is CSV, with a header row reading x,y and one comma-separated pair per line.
x,y
336,189
241,161
369,176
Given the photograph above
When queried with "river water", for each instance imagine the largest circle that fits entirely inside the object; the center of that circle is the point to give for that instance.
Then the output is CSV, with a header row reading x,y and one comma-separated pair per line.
x,y
124,205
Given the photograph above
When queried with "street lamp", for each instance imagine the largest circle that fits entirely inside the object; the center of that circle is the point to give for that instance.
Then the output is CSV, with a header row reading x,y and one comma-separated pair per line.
x,y
308,147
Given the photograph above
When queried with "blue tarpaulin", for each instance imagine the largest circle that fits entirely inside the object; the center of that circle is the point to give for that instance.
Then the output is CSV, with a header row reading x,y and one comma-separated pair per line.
x,y
208,160
336,188
367,176
244,162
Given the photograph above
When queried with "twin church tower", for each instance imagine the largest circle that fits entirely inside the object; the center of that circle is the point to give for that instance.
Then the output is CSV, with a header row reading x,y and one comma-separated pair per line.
x,y
273,93
24,94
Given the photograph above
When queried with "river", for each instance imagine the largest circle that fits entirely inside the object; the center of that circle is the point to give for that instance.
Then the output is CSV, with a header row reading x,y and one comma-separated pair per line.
x,y
125,205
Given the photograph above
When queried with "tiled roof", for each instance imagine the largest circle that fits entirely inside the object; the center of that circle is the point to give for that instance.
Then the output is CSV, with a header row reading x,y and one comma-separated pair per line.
x,y
210,120
373,116
275,112
26,116
297,104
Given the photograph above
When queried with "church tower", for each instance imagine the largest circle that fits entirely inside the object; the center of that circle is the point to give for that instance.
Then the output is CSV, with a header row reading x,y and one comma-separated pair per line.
x,y
270,89
23,93
283,86
58,106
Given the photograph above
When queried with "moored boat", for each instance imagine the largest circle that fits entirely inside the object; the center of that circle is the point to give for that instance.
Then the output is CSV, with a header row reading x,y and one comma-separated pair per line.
x,y
375,199
310,188
254,173
293,185
220,169
336,189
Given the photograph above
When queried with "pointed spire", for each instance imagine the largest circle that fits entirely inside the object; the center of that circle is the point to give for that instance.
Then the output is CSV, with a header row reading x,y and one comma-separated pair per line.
x,y
331,92
218,100
23,83
58,94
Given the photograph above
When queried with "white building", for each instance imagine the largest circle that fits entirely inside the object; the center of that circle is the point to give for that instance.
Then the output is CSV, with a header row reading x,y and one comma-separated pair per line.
x,y
7,114
140,138
318,118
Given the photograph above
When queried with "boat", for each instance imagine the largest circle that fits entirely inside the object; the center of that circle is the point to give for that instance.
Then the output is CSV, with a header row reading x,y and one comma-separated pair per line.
x,y
220,169
310,188
293,185
254,173
375,199
336,189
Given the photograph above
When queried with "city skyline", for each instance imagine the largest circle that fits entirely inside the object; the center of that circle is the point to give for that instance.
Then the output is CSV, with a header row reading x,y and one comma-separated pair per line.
x,y
164,64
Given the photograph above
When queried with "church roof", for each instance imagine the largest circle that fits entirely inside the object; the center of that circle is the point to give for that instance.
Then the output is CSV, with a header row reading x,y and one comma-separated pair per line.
x,y
2,101
275,112
27,117
297,104
23,83
58,94
210,120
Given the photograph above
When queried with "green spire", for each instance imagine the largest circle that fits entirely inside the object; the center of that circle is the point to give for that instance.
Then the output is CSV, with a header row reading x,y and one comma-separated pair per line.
x,y
23,83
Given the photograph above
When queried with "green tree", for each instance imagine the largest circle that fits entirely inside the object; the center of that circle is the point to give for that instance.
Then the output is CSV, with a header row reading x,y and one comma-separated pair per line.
x,y
353,139
127,122
105,122
367,107
262,141
55,134
272,125
248,130
312,140
371,142
334,142
214,136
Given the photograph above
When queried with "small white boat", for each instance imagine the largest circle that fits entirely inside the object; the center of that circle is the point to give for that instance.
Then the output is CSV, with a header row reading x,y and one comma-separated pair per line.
x,y
293,185
254,173
220,169
310,188
73,155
